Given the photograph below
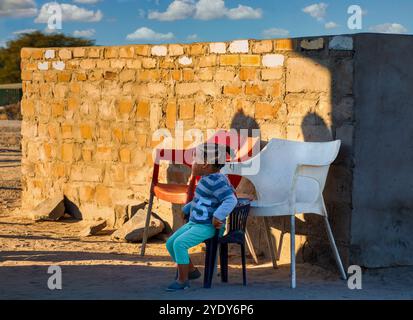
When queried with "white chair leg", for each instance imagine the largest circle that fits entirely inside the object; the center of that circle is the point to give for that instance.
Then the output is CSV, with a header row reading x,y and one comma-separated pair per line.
x,y
334,247
250,246
292,254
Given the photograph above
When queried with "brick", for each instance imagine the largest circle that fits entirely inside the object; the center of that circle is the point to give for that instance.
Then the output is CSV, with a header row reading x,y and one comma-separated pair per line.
x,y
142,109
86,131
217,47
233,89
141,140
96,75
185,61
274,89
81,76
111,52
79,52
156,89
250,60
175,50
64,76
262,46
94,52
26,75
57,109
229,60
73,103
205,74
171,114
239,46
187,88
125,106
159,51
103,195
149,75
210,88
312,44
167,63
273,60
86,154
188,74
134,64
87,64
264,110
254,89
125,155
126,52
67,131
248,74
207,61
67,151
86,193
103,153
186,109
65,54
117,63
127,75
224,75
284,45
109,75
149,63
142,50
103,64
196,49
117,134
27,107
271,73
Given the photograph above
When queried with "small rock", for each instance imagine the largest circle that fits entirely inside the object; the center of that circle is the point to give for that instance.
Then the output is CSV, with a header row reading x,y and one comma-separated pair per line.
x,y
93,228
132,230
49,209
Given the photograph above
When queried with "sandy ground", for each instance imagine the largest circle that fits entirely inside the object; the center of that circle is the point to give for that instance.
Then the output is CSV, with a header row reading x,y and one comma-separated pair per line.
x,y
98,268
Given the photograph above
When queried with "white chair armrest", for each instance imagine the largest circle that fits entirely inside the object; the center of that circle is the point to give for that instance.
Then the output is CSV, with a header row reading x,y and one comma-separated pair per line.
x,y
318,173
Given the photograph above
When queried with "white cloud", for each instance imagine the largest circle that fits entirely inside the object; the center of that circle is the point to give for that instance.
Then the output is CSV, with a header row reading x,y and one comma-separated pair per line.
x,y
177,10
389,28
192,37
17,8
204,10
84,33
69,13
24,31
86,1
317,10
210,9
148,34
275,32
244,12
331,25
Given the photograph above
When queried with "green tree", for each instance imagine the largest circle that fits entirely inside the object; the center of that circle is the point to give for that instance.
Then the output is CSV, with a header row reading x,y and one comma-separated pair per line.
x,y
10,55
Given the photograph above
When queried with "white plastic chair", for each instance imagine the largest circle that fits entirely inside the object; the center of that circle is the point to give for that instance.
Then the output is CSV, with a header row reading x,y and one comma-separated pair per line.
x,y
290,180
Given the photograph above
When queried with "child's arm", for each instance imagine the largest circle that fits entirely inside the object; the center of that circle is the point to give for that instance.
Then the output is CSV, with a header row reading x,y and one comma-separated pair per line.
x,y
186,209
228,202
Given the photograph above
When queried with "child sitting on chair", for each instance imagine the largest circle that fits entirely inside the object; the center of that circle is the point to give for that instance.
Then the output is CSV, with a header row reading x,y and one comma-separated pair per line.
x,y
213,201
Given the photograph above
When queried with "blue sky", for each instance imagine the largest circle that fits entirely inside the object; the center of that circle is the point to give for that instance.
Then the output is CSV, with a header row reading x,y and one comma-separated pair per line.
x,y
117,22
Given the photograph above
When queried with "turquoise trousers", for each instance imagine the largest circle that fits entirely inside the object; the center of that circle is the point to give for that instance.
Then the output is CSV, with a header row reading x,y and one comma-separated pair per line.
x,y
188,236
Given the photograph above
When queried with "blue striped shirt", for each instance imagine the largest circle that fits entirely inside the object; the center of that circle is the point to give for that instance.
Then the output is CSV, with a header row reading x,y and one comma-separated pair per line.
x,y
214,197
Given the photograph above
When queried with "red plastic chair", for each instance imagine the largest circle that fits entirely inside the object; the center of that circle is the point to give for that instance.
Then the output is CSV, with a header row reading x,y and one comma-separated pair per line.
x,y
183,193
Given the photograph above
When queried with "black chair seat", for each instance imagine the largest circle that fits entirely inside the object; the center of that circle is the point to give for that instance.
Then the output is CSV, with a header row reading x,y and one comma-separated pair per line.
x,y
236,236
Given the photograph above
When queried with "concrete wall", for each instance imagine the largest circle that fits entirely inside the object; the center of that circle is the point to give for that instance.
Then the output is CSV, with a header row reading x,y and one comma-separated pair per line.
x,y
89,115
382,218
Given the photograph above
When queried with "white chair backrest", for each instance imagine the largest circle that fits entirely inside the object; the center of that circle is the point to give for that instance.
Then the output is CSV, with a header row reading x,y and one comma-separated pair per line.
x,y
278,161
